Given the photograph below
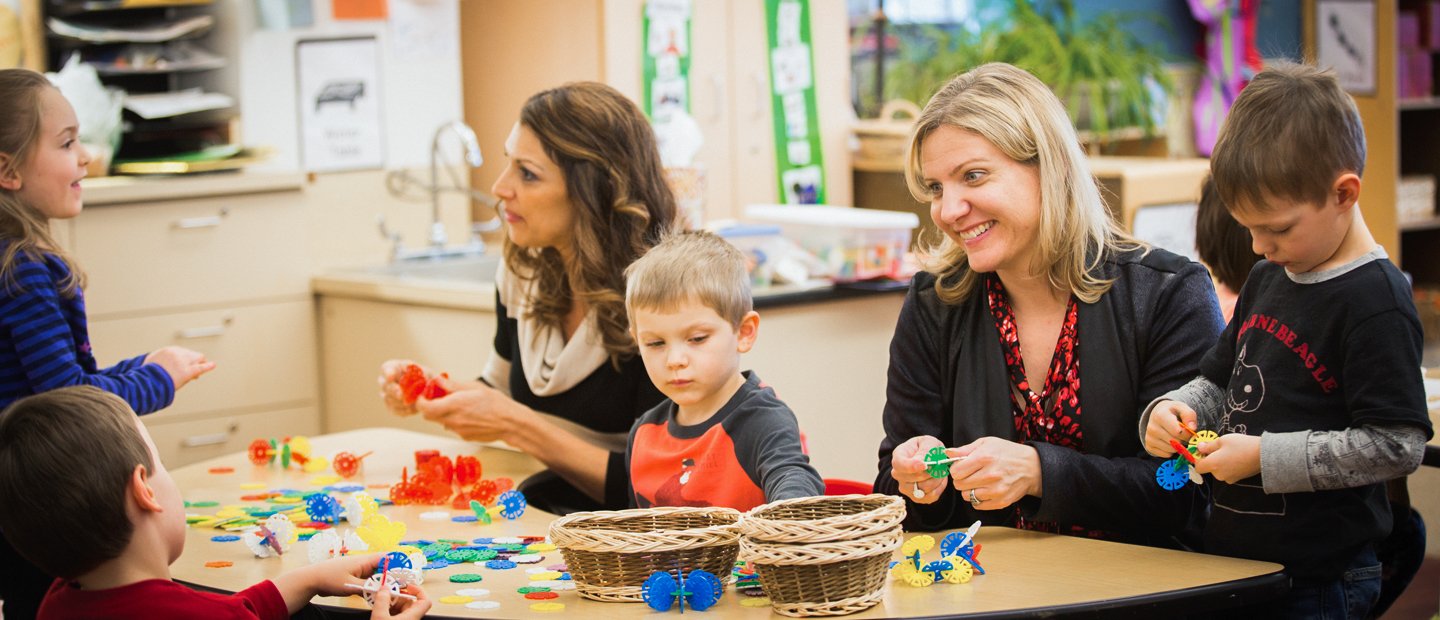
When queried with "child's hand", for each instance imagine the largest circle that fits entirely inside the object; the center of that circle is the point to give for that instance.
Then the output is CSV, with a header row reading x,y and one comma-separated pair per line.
x,y
1231,458
907,466
183,365
1168,420
390,390
387,606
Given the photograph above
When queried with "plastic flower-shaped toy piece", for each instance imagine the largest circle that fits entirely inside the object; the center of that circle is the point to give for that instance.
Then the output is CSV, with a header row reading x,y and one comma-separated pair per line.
x,y
272,538
381,533
359,507
698,588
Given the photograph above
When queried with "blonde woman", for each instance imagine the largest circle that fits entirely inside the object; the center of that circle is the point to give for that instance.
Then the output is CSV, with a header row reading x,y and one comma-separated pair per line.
x,y
1038,332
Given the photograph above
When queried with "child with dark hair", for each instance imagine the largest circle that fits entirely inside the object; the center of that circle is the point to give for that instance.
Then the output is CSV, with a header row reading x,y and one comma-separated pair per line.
x,y
1224,246
109,523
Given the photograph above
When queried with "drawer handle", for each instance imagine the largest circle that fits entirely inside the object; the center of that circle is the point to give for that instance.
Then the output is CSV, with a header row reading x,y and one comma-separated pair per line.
x,y
213,439
212,221
209,331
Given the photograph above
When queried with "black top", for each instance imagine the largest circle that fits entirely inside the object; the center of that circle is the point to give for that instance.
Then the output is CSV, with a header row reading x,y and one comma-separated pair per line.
x,y
1142,338
607,401
1321,356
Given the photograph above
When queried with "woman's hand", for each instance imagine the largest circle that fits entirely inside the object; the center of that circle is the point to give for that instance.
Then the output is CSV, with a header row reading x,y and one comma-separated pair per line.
x,y
1231,458
390,391
472,410
1168,420
907,466
994,473
183,365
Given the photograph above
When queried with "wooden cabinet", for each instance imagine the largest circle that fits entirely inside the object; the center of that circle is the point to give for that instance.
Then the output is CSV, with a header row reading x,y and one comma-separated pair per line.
x,y
729,76
224,275
357,335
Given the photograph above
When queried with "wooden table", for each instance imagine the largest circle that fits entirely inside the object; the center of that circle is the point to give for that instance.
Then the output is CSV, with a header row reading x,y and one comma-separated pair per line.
x,y
1029,573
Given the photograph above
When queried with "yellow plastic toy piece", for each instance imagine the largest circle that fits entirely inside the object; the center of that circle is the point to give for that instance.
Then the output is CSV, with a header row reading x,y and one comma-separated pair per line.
x,y
962,572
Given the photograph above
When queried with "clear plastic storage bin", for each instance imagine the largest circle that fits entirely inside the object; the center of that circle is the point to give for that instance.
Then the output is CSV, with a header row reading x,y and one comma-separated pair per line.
x,y
854,244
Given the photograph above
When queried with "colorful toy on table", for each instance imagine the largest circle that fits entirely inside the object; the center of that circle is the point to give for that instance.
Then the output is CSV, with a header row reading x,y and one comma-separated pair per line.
x,y
272,538
381,533
359,507
414,384
347,464
394,573
699,588
957,563
937,466
1174,473
322,508
296,449
329,544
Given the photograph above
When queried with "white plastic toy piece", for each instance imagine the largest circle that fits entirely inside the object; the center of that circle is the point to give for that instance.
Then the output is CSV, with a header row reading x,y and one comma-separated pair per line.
x,y
272,538
325,545
395,580
359,506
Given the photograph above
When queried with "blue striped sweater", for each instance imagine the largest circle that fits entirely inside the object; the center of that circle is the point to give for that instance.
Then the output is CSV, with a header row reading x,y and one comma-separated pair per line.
x,y
45,343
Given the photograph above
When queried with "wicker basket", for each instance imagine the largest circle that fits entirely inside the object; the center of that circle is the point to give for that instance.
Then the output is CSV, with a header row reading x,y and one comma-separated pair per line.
x,y
610,553
882,141
824,519
823,556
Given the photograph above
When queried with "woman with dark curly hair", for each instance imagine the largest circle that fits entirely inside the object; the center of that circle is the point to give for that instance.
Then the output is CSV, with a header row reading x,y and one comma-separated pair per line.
x,y
584,195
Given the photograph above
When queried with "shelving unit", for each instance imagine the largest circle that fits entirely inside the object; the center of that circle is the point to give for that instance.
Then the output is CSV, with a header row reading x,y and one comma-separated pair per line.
x,y
150,47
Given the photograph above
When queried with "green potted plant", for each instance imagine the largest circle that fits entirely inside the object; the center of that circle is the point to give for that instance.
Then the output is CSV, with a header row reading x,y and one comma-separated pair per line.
x,y
1111,83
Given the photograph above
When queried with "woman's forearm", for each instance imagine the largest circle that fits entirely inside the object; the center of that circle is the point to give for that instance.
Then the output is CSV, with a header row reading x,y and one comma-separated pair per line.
x,y
577,461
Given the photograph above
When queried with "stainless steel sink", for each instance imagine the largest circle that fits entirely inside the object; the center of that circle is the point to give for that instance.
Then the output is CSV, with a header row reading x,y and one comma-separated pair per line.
x,y
469,268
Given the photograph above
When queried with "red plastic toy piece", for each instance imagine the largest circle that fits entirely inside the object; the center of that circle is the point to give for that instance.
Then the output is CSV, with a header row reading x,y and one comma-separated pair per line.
x,y
433,389
412,382
261,451
485,492
423,456
503,484
467,470
347,464
1183,451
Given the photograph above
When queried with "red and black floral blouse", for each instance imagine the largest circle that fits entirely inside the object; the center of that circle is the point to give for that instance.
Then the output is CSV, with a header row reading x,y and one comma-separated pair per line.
x,y
1051,415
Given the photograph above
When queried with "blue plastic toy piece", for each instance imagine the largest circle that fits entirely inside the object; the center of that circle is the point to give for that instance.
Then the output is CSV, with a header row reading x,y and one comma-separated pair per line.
x,y
512,504
961,545
937,569
321,508
1172,474
397,560
699,588
658,591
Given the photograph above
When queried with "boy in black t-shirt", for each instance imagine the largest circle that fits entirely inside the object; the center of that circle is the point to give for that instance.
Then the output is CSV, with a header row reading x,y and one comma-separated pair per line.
x,y
1314,387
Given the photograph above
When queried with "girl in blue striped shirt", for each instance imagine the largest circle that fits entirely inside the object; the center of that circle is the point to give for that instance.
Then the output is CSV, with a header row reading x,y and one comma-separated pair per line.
x,y
44,338
44,341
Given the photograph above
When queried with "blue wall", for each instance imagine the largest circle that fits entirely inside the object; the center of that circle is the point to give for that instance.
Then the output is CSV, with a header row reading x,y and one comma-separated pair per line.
x,y
1277,33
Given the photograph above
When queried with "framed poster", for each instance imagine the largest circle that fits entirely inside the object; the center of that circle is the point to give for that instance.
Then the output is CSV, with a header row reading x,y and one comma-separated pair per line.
x,y
338,94
1345,41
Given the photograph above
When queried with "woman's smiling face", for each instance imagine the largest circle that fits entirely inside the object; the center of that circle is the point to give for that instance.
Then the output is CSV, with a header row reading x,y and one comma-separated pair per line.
x,y
983,200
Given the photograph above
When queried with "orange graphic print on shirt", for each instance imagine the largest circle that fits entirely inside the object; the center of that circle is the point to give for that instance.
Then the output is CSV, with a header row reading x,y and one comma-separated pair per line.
x,y
668,471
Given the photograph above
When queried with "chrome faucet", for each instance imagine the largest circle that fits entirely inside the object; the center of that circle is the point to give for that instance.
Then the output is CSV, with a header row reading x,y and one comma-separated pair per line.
x,y
472,157
399,181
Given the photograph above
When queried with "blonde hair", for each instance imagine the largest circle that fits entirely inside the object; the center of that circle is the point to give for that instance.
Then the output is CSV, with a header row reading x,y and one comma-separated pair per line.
x,y
23,228
1290,134
686,265
1017,113
622,206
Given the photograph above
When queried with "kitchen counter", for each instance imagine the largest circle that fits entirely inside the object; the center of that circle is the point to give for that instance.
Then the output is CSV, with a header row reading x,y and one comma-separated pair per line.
x,y
114,190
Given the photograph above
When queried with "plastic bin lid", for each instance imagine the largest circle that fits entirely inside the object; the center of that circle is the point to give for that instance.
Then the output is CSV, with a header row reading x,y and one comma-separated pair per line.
x,y
734,231
829,215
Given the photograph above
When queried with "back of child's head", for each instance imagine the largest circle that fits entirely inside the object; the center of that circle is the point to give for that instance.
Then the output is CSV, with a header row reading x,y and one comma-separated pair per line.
x,y
23,227
1291,132
686,265
1225,246
66,460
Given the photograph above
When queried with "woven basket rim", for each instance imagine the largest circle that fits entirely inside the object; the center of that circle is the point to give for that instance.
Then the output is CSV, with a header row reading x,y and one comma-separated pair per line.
x,y
604,540
888,514
793,554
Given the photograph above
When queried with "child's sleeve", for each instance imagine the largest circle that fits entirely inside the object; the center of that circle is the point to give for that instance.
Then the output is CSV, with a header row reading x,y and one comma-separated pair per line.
x,y
44,347
767,446
1389,426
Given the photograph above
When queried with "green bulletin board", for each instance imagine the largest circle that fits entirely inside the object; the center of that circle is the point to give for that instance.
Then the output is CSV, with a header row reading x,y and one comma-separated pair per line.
x,y
799,162
666,77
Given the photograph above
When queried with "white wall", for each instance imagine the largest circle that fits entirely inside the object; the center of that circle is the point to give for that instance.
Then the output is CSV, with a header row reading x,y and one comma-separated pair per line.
x,y
421,84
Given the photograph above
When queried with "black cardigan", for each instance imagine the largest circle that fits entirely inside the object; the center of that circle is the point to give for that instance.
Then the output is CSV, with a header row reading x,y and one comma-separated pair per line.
x,y
1142,338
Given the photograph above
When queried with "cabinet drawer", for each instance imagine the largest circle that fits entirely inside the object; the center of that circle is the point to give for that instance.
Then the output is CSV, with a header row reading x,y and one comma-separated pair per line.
x,y
183,439
192,252
263,354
